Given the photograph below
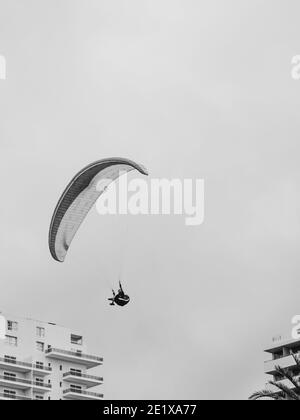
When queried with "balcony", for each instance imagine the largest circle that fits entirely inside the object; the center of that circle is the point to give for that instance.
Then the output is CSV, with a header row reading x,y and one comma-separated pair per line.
x,y
284,382
23,384
15,365
74,394
284,363
22,367
40,386
15,383
82,379
74,357
5,396
41,370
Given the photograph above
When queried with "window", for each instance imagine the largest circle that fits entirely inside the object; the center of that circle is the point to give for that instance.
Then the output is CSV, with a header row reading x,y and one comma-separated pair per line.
x,y
10,376
38,397
76,339
40,332
10,359
39,365
12,326
11,341
40,346
39,381
9,393
76,388
60,367
76,372
60,384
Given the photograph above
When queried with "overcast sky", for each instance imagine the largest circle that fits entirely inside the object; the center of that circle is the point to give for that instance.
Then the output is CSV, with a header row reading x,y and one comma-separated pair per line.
x,y
190,89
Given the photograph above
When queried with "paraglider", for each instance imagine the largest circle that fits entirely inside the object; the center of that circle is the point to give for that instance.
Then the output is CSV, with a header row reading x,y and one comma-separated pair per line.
x,y
78,199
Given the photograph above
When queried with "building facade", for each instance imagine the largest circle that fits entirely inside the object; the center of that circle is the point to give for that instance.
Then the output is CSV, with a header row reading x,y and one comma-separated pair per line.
x,y
44,361
282,353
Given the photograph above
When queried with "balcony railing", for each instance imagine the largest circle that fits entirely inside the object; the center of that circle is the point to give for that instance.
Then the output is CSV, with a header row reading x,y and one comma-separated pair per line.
x,y
28,365
24,381
297,355
80,392
284,363
40,367
13,397
83,376
15,379
75,354
41,384
278,359
15,362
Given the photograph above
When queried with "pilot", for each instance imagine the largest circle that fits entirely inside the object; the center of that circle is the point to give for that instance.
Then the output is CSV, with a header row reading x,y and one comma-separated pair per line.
x,y
120,299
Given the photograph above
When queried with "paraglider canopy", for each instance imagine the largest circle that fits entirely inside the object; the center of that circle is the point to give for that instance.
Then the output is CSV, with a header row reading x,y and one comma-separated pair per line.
x,y
78,199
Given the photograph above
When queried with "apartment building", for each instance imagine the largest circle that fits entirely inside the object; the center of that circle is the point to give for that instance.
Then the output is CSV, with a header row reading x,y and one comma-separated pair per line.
x,y
44,361
281,353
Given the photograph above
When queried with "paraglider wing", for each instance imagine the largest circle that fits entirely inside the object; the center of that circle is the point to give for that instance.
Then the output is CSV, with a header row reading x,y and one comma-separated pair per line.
x,y
78,199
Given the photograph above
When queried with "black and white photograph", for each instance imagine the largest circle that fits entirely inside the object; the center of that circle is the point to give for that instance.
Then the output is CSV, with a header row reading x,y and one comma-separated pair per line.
x,y
150,204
